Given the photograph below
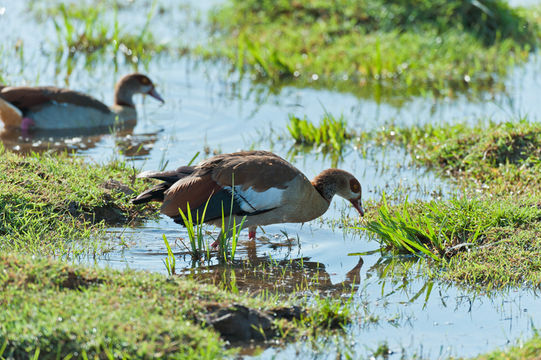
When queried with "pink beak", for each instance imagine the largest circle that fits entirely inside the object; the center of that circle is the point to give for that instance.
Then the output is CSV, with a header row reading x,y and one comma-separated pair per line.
x,y
155,95
358,206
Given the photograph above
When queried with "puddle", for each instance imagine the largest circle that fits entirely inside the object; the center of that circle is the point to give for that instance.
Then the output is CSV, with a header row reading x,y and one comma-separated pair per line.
x,y
210,110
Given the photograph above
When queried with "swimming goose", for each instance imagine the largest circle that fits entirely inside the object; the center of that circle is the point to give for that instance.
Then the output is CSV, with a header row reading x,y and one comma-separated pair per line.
x,y
257,184
48,107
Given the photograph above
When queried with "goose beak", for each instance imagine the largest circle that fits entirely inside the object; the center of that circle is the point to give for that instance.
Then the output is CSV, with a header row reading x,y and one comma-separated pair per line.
x,y
155,95
357,204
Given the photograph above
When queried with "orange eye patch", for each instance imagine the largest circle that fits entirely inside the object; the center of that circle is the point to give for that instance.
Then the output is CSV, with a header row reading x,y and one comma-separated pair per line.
x,y
354,186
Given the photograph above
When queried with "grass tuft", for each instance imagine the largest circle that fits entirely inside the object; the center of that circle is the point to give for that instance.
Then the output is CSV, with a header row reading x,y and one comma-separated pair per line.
x,y
331,132
400,233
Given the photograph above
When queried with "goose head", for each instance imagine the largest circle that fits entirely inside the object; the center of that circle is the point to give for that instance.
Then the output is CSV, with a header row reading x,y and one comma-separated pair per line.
x,y
133,84
332,182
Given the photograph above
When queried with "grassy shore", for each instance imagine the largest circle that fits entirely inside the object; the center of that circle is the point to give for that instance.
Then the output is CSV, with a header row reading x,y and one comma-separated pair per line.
x,y
375,48
59,204
487,235
55,310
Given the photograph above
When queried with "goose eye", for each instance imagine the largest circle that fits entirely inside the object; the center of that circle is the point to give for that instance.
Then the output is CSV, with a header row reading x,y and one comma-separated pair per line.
x,y
145,81
354,186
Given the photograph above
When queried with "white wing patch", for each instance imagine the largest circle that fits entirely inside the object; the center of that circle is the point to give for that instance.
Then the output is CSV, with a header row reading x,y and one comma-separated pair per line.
x,y
252,201
69,116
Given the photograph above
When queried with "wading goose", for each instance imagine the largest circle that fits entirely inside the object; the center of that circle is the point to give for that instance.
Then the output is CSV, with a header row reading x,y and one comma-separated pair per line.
x,y
257,184
48,107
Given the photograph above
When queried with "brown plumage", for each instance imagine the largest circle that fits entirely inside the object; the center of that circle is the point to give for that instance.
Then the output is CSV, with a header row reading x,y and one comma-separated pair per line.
x,y
49,107
257,184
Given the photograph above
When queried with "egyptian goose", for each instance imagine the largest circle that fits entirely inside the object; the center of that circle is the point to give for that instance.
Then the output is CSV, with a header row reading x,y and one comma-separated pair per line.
x,y
48,107
266,189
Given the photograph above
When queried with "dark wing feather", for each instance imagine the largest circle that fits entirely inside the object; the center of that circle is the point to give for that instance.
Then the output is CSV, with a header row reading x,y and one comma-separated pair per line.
x,y
156,193
28,98
171,176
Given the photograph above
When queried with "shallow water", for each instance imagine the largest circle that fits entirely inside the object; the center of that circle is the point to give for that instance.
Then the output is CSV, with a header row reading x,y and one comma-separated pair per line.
x,y
209,109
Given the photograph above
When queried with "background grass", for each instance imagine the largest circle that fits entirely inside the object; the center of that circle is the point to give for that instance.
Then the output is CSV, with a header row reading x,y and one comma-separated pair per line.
x,y
93,30
331,133
439,46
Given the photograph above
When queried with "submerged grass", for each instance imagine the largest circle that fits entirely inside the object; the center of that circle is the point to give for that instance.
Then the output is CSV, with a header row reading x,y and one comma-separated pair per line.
x,y
489,235
49,203
439,46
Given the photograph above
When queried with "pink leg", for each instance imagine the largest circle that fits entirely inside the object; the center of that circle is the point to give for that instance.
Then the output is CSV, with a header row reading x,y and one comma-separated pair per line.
x,y
27,123
251,232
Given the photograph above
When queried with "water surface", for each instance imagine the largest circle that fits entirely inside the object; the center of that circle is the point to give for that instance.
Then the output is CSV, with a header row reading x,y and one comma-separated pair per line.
x,y
210,109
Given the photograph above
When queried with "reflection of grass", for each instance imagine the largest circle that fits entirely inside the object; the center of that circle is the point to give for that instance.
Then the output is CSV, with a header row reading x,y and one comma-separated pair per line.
x,y
330,132
490,234
446,45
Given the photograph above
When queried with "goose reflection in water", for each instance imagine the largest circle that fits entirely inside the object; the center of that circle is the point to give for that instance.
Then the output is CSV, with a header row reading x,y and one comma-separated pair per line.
x,y
74,140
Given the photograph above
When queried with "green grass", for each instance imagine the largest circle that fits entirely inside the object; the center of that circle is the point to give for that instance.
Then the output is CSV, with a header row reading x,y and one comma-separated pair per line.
x,y
375,48
402,234
482,242
229,234
331,133
489,234
88,28
170,261
528,350
497,158
198,245
57,204
63,310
